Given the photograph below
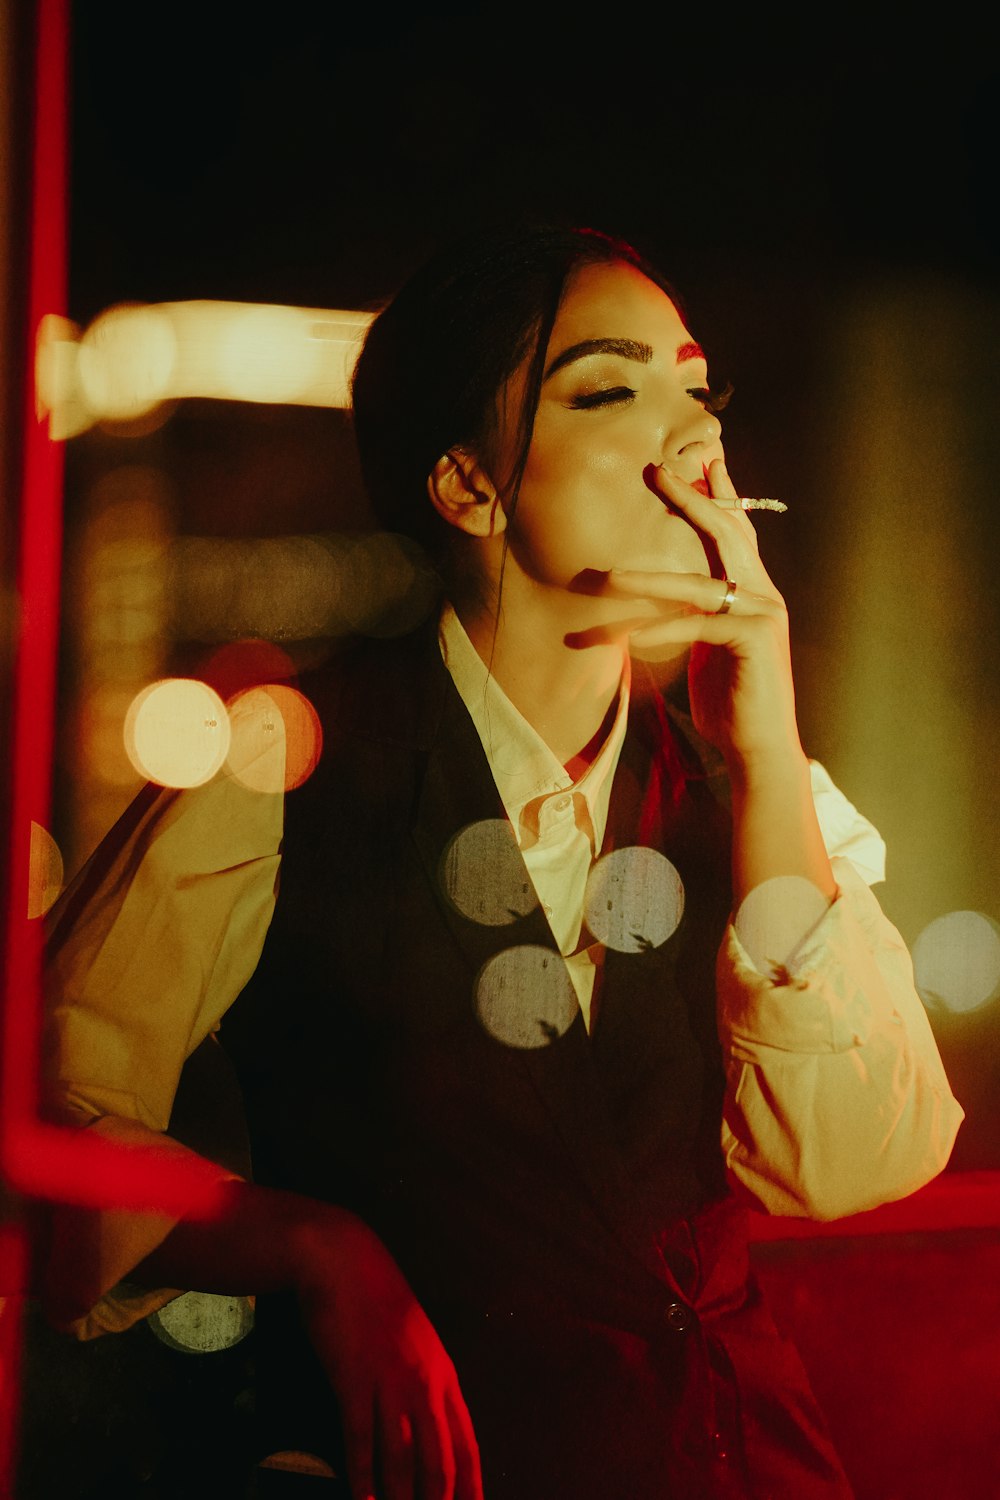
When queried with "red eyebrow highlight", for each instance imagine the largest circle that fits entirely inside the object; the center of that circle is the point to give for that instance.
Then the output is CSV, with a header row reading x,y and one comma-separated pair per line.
x,y
689,351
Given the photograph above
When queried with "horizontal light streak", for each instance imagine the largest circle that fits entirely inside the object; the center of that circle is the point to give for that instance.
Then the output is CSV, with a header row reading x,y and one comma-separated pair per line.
x,y
135,358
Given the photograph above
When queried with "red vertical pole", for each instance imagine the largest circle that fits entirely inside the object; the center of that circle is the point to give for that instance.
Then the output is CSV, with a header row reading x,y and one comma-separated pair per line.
x,y
34,663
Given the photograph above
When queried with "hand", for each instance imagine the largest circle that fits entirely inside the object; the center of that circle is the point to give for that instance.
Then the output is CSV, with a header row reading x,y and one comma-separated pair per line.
x,y
740,675
407,1430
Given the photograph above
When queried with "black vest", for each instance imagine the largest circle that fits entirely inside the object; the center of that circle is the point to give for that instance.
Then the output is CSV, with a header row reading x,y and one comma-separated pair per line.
x,y
560,1209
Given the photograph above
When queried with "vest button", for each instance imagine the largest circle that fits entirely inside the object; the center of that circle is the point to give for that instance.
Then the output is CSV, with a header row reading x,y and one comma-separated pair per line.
x,y
678,1317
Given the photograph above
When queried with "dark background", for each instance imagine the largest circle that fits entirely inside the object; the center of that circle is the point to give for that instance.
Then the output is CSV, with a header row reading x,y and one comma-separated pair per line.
x,y
309,155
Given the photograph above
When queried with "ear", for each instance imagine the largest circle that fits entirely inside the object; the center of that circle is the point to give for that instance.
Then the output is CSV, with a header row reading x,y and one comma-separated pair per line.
x,y
464,494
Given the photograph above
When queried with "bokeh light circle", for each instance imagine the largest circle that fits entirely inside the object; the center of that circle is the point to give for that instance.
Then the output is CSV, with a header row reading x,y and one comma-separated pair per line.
x,y
201,1322
484,876
956,961
634,899
177,732
525,997
276,738
775,917
45,871
387,585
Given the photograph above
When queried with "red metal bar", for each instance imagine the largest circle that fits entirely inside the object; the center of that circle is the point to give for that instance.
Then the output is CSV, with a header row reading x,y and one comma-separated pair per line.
x,y
34,666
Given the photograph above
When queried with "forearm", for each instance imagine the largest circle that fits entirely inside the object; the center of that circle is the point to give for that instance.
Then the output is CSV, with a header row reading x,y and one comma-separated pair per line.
x,y
259,1240
776,833
254,1239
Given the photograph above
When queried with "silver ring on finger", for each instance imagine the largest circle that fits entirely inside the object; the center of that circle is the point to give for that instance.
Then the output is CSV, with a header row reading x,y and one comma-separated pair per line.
x,y
730,595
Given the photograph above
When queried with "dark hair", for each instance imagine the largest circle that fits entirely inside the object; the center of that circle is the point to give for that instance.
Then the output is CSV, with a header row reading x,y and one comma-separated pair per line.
x,y
436,356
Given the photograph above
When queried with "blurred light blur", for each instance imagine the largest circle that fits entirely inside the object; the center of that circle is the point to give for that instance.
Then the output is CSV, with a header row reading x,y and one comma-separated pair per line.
x,y
134,357
634,900
956,961
177,732
200,1322
773,919
45,871
525,997
484,875
276,738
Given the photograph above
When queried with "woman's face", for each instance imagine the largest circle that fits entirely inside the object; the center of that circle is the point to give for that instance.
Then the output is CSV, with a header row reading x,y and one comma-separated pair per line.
x,y
624,388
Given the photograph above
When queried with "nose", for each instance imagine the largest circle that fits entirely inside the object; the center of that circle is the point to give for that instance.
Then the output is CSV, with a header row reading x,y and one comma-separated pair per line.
x,y
698,431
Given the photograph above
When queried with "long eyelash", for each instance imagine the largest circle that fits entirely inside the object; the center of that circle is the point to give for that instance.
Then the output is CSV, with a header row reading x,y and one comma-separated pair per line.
x,y
713,401
603,398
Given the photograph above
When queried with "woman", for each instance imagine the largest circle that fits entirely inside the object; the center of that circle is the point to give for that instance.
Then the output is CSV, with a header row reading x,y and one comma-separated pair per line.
x,y
507,1124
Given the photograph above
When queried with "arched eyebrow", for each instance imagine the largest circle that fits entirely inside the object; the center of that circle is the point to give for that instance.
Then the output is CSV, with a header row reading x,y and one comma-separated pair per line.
x,y
627,348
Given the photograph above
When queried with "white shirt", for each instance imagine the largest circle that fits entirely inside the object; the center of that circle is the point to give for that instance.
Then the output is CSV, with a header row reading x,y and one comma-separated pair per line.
x,y
559,823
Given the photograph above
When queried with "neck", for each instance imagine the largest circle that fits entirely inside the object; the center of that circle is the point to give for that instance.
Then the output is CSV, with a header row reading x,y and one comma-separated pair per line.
x,y
566,692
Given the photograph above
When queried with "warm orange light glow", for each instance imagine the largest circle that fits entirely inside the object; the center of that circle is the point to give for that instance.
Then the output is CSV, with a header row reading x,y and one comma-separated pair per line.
x,y
57,379
126,361
245,663
177,732
133,357
45,871
276,738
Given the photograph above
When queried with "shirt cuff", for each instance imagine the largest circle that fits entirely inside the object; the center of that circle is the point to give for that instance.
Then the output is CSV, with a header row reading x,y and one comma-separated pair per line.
x,y
832,996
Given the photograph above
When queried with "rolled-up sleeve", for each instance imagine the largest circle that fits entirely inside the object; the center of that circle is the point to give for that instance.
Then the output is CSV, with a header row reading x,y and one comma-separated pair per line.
x,y
145,951
837,1099
152,943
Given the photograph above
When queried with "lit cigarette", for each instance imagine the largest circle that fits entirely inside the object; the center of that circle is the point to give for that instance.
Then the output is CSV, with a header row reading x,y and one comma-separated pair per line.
x,y
745,503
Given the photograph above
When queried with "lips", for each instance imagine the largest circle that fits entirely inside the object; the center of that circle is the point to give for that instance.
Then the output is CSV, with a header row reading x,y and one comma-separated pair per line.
x,y
701,485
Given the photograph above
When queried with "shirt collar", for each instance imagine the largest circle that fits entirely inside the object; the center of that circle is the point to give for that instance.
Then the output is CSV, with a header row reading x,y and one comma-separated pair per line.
x,y
523,766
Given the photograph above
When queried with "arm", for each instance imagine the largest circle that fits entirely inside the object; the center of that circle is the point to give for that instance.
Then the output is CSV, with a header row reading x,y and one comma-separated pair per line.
x,y
148,948
836,1099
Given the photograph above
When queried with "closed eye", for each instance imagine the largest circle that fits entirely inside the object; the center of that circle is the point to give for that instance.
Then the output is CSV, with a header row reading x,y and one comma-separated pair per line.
x,y
616,395
713,401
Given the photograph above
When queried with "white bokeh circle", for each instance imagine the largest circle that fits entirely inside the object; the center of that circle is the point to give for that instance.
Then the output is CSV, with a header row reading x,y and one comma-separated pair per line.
x,y
200,1322
525,997
484,876
177,732
634,900
956,961
775,918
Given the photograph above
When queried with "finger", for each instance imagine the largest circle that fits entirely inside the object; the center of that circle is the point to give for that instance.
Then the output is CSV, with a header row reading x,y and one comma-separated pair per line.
x,y
359,1442
731,531
434,1455
719,482
396,1455
711,630
722,488
468,1470
694,590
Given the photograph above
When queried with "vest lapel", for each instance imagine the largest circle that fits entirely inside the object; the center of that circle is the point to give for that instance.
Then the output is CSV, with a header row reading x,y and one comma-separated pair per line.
x,y
457,792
